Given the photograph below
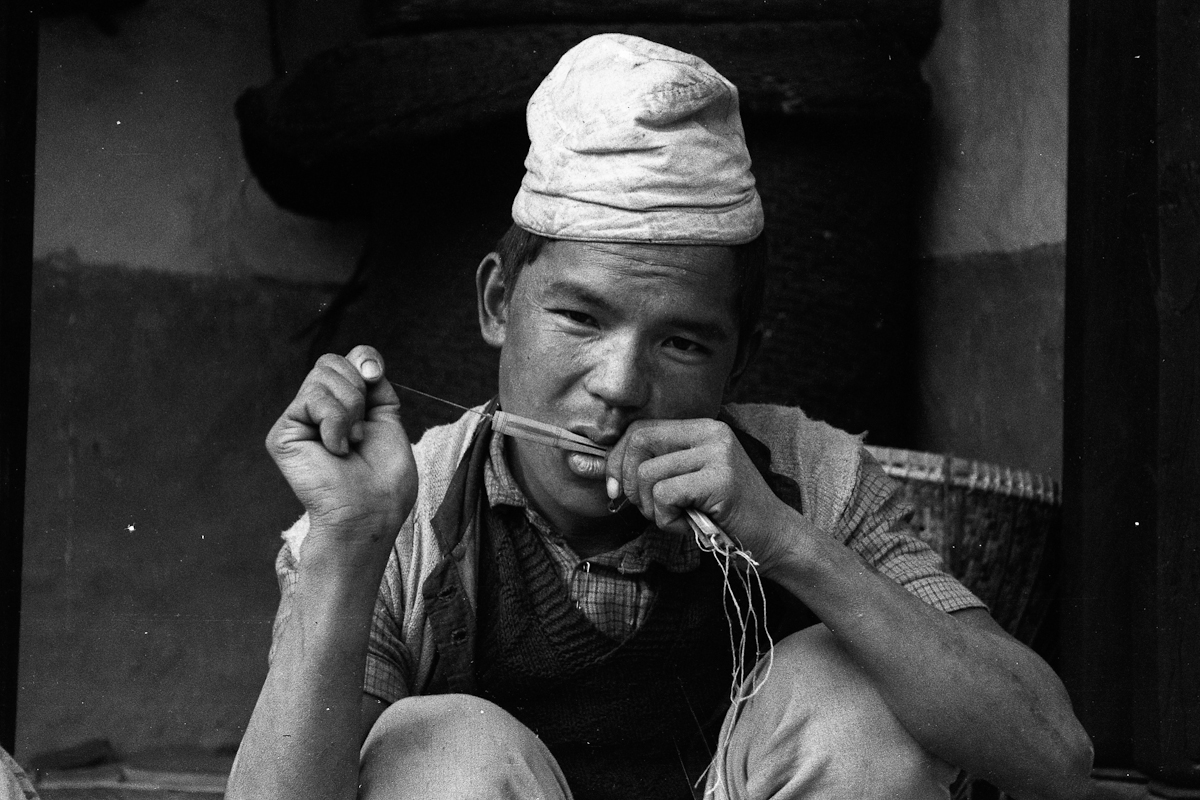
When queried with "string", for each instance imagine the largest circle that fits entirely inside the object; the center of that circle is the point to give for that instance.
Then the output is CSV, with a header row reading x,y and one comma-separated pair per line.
x,y
731,557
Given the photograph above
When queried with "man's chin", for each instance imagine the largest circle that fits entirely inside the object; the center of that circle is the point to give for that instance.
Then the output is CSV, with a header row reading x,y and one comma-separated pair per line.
x,y
572,487
588,501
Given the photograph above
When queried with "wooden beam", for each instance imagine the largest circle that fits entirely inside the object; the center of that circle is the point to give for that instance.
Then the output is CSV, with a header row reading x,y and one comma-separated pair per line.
x,y
916,21
18,96
1131,611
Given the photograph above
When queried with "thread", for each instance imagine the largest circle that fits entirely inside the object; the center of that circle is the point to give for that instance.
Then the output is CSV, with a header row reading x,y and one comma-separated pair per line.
x,y
731,558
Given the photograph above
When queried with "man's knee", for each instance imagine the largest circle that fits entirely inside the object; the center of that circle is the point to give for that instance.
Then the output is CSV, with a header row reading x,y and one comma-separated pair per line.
x,y
458,746
818,727
439,724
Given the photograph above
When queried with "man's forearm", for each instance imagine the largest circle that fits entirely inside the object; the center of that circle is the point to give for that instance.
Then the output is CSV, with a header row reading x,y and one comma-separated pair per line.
x,y
966,692
304,735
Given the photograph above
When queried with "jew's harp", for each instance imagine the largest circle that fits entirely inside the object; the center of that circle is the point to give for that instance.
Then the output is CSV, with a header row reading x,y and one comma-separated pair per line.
x,y
518,427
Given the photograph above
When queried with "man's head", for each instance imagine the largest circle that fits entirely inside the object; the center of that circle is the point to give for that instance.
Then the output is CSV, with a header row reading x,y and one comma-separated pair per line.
x,y
630,285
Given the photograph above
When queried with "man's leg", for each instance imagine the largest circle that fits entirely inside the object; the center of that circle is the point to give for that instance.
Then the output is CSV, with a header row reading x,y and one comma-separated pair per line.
x,y
456,746
817,729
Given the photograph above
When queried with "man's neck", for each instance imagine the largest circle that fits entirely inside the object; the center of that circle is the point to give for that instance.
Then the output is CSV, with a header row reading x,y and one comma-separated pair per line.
x,y
593,537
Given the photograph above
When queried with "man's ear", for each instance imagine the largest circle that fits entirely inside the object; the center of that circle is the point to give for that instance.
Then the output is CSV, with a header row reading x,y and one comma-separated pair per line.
x,y
745,356
491,300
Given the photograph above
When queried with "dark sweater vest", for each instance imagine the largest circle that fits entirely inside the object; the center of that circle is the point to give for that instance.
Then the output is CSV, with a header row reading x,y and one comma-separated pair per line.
x,y
637,718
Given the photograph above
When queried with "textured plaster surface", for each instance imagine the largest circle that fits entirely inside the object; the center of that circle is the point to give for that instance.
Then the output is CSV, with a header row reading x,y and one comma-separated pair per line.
x,y
998,71
138,157
152,508
991,338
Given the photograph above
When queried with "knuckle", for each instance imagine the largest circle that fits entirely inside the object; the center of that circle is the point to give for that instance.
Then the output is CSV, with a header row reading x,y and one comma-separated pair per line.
x,y
327,361
319,400
722,433
629,487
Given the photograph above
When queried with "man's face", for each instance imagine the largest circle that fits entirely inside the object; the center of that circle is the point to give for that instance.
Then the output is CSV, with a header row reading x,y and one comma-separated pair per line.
x,y
596,335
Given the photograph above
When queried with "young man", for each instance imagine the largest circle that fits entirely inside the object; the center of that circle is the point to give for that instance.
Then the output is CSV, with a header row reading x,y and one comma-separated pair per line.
x,y
519,639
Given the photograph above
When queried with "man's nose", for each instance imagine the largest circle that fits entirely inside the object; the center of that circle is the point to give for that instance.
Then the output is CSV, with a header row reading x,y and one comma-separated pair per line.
x,y
620,374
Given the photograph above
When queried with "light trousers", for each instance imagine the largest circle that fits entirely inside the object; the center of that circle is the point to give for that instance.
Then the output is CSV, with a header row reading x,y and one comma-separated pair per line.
x,y
816,729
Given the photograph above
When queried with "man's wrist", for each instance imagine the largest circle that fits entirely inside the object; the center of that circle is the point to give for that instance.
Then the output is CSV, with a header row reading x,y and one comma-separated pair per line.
x,y
793,557
336,552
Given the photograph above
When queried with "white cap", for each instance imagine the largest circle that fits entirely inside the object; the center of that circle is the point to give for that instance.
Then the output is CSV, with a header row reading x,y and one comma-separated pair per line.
x,y
633,141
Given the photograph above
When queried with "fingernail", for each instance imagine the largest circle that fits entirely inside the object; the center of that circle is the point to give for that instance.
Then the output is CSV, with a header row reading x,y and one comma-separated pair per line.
x,y
356,432
613,487
370,370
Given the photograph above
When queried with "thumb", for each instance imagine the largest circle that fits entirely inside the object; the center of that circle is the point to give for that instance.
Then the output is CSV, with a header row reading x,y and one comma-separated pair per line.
x,y
382,402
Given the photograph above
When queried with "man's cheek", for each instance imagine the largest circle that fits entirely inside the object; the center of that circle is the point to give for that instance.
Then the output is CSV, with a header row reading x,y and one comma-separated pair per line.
x,y
690,396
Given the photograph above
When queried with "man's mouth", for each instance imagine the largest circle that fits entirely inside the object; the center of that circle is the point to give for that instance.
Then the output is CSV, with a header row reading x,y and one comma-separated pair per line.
x,y
605,438
587,466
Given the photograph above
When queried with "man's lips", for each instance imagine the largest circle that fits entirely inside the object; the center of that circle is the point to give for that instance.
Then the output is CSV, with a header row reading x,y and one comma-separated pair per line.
x,y
602,437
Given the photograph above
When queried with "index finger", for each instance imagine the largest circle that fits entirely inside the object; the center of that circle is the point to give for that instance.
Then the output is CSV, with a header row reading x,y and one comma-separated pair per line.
x,y
644,439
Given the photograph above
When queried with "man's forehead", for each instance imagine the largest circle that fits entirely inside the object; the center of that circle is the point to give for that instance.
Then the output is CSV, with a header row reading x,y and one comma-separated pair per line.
x,y
703,276
645,259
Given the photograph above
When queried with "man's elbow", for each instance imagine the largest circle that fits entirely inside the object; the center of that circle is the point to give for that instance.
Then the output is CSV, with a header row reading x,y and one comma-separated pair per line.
x,y
1070,775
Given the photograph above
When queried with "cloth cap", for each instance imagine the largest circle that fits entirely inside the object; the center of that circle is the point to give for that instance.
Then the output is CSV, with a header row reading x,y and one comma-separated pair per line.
x,y
633,141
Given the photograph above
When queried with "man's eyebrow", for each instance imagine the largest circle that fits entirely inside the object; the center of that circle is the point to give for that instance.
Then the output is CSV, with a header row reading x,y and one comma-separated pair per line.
x,y
707,330
575,291
701,329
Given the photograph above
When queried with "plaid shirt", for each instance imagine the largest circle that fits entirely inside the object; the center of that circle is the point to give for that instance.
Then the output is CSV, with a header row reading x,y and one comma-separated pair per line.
x,y
612,588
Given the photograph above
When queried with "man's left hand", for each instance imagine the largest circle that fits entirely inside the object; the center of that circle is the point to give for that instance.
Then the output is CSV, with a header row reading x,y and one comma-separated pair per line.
x,y
667,466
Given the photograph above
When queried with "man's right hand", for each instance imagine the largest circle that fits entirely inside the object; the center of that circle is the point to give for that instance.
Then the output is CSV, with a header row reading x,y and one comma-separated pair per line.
x,y
341,447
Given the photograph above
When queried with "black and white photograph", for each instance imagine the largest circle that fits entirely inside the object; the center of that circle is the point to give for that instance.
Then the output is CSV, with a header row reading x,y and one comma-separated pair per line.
x,y
559,400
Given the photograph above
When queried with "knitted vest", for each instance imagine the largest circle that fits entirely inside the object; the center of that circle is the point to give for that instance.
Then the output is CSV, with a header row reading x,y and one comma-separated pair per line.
x,y
636,718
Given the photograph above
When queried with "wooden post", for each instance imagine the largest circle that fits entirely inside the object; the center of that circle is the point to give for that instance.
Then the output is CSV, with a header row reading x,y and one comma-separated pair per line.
x,y
18,96
1167,733
1131,584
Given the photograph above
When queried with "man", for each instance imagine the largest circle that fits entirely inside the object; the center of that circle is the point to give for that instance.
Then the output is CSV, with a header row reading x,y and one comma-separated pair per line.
x,y
518,638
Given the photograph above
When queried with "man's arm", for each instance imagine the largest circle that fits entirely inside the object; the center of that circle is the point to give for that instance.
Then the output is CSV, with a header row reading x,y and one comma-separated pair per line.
x,y
963,688
343,450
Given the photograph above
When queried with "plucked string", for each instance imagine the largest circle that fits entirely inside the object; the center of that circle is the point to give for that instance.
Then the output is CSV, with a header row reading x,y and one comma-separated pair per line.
x,y
731,558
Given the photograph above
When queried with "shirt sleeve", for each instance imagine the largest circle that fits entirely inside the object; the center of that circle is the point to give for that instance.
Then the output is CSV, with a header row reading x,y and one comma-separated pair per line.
x,y
872,526
389,663
286,573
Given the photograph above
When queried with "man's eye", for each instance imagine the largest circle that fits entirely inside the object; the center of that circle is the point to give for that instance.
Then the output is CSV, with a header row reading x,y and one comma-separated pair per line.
x,y
685,345
577,317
